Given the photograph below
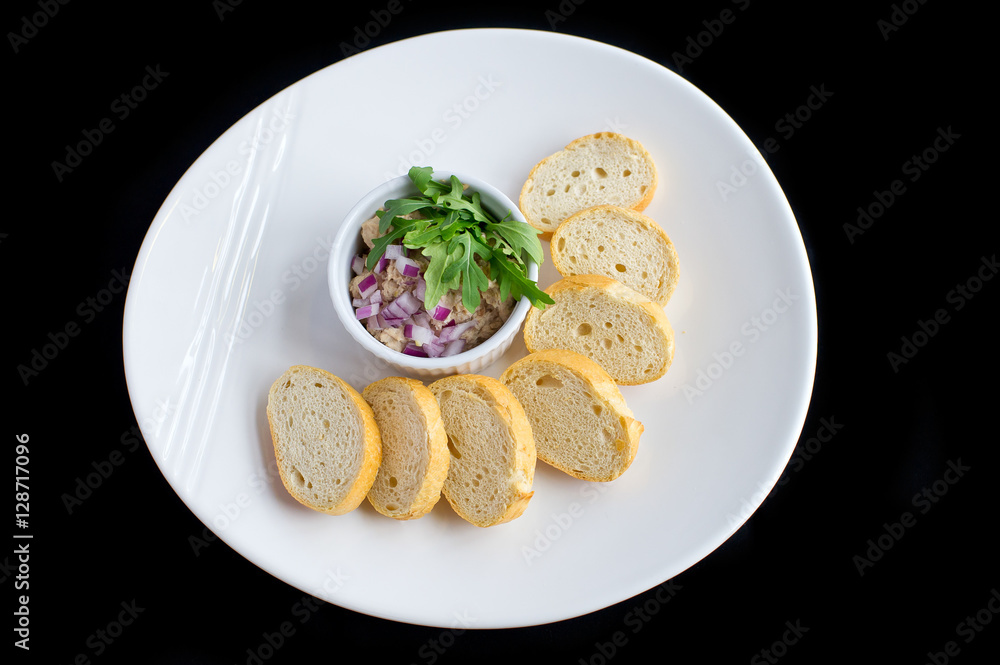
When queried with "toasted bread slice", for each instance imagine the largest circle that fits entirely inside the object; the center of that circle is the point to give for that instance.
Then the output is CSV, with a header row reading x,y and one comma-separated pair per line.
x,y
492,450
325,438
578,416
414,448
597,169
622,330
621,244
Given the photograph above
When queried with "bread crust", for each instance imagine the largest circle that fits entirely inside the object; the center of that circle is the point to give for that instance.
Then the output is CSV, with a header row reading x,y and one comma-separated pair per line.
x,y
429,491
672,268
522,473
371,444
657,318
546,232
604,387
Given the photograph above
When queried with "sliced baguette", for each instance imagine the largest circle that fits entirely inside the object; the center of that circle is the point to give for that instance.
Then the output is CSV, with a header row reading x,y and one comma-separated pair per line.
x,y
492,450
414,448
619,243
579,419
602,168
622,330
326,441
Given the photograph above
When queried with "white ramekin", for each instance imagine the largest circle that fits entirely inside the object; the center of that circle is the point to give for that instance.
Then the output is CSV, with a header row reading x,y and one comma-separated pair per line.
x,y
349,243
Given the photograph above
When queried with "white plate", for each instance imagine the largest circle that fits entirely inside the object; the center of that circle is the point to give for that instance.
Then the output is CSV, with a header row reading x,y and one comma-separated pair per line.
x,y
229,290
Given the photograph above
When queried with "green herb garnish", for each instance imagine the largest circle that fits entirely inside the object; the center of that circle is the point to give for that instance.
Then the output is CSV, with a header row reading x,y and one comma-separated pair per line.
x,y
452,230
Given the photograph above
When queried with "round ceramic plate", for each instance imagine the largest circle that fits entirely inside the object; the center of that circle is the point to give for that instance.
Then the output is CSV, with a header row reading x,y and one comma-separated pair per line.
x,y
230,289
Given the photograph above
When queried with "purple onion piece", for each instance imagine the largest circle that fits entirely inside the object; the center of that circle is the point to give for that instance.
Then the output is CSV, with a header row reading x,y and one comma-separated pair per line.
x,y
421,289
376,297
408,303
440,313
368,285
414,350
360,302
358,264
433,349
407,267
393,252
366,311
453,348
394,310
418,334
450,334
381,265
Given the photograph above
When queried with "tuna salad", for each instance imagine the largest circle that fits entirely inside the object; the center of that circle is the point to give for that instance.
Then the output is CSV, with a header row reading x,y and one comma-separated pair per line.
x,y
389,299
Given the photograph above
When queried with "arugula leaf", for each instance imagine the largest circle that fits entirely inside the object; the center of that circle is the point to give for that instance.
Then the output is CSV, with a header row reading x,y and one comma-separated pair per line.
x,y
518,284
437,252
397,208
521,238
452,229
462,252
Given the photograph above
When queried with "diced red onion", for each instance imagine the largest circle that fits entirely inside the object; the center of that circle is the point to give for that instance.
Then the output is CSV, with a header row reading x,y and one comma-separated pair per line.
x,y
408,303
381,265
440,313
360,302
358,264
421,289
450,334
453,348
412,349
380,322
407,267
422,319
393,252
376,297
418,333
368,285
367,310
433,349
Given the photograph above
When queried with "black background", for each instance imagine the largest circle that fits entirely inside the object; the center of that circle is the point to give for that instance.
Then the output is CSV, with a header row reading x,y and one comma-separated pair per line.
x,y
793,561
